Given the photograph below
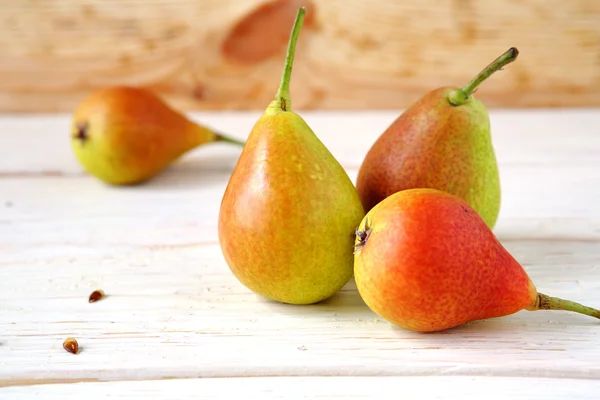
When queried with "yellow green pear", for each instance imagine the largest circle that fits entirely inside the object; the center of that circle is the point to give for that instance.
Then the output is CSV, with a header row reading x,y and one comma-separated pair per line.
x,y
126,135
289,212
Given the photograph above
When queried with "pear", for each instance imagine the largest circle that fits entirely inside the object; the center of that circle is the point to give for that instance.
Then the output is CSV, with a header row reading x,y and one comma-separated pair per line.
x,y
126,135
289,211
443,142
426,261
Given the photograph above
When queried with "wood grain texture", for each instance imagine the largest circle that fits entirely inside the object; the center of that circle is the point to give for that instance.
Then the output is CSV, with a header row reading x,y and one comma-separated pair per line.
x,y
228,54
173,310
264,388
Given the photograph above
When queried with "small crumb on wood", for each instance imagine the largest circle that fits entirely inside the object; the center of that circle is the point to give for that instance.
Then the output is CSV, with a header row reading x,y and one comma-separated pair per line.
x,y
71,345
96,295
302,348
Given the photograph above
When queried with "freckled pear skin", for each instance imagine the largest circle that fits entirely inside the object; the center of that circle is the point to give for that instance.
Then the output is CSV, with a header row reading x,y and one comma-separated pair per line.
x,y
435,145
126,135
289,212
443,142
426,261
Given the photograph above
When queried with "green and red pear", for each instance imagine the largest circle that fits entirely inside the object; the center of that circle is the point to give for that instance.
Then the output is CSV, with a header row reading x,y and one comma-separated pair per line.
x,y
425,260
126,135
443,141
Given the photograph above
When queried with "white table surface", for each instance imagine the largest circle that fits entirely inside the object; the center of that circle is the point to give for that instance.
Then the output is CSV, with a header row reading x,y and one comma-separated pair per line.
x,y
177,324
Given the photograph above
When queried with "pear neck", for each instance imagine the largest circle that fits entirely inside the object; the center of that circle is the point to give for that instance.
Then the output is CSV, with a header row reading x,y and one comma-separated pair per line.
x,y
458,97
277,106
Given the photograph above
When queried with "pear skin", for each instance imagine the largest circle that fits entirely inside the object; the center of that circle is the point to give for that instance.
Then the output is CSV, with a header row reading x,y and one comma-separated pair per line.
x,y
443,141
126,135
426,261
289,211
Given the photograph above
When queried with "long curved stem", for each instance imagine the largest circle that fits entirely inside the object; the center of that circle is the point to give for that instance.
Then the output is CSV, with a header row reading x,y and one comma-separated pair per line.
x,y
282,98
460,96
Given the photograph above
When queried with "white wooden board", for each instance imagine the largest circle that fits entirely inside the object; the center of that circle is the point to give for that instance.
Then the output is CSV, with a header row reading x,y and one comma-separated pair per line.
x,y
174,311
374,387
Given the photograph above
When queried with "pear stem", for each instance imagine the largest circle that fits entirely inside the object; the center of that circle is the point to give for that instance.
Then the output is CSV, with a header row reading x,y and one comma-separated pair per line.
x,y
545,302
460,96
223,138
282,98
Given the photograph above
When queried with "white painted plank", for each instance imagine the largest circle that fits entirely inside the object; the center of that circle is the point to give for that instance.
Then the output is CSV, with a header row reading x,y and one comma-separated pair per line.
x,y
424,388
537,203
521,137
549,160
174,310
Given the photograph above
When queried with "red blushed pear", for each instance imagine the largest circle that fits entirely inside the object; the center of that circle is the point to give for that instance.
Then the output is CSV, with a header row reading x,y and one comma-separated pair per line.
x,y
443,142
289,212
426,261
126,135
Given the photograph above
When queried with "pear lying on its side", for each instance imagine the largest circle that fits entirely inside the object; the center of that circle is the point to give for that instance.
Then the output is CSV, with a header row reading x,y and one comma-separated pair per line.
x,y
443,142
426,261
126,135
289,212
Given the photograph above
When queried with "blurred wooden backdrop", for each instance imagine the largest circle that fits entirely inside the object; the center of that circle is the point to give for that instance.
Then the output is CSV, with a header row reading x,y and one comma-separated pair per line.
x,y
352,54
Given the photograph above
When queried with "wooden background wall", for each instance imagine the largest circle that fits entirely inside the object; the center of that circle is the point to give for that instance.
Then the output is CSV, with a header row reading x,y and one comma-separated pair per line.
x,y
352,54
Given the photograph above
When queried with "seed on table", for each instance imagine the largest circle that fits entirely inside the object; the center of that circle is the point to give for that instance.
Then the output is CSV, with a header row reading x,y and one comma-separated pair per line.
x,y
71,345
96,295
